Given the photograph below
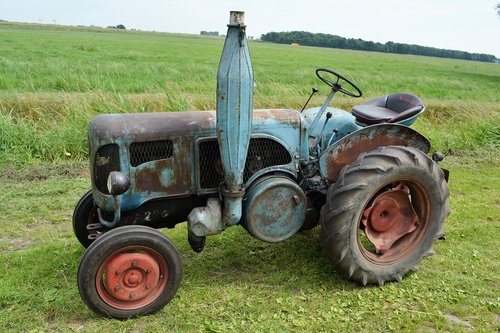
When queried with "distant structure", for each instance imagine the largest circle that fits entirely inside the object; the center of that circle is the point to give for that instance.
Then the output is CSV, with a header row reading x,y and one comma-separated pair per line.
x,y
295,44
209,33
119,26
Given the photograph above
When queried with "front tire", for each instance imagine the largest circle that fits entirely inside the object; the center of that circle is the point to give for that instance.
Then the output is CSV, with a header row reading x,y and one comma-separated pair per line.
x,y
384,214
85,213
128,272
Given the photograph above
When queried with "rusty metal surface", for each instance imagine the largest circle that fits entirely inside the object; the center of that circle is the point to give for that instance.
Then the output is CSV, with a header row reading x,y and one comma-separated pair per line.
x,y
390,217
172,175
274,209
131,276
164,213
150,126
236,18
397,224
156,126
130,281
176,175
347,150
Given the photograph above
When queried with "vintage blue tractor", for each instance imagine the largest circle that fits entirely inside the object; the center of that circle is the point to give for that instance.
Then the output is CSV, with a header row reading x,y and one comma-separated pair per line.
x,y
364,176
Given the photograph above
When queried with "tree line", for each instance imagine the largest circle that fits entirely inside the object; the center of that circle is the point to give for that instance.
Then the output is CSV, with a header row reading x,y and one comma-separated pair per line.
x,y
334,41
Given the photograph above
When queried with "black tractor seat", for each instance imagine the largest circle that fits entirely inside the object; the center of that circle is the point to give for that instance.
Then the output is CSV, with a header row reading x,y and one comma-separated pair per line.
x,y
399,108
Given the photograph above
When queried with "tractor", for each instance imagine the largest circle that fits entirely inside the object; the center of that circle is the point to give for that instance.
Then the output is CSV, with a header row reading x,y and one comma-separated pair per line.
x,y
364,176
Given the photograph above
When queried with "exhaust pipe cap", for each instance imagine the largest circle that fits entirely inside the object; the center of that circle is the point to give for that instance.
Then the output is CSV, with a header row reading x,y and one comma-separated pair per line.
x,y
237,18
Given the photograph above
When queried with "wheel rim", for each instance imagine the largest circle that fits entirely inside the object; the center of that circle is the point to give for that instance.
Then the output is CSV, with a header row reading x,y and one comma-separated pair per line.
x,y
132,278
394,222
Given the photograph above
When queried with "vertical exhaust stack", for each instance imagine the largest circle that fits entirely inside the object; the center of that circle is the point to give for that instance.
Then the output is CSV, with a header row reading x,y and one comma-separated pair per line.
x,y
234,114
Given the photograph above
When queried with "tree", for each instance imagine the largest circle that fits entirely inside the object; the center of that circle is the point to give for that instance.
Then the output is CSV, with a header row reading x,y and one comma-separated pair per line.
x,y
326,40
498,9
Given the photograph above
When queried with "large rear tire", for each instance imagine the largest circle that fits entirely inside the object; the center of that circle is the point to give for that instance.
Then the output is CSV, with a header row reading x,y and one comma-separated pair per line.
x,y
384,214
128,272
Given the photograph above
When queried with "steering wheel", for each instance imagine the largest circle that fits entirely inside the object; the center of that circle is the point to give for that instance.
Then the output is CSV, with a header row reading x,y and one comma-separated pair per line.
x,y
336,86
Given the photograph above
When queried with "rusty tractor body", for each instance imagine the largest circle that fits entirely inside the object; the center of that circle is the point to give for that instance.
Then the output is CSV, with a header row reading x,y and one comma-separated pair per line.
x,y
364,176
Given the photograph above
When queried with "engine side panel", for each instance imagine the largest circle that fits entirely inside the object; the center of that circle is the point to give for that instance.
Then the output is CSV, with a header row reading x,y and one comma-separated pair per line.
x,y
166,162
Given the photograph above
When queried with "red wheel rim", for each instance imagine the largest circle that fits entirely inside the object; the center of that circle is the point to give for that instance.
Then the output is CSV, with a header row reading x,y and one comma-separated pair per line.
x,y
132,278
394,222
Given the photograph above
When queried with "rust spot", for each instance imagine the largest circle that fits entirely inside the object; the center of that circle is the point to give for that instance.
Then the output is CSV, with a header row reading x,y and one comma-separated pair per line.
x,y
148,180
151,126
288,116
171,176
348,150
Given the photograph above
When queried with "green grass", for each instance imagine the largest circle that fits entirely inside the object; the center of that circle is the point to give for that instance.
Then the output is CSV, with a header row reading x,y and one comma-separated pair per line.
x,y
60,77
53,80
241,284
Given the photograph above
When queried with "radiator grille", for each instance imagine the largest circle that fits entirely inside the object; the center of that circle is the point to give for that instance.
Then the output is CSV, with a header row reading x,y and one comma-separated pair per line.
x,y
262,153
107,159
142,152
211,172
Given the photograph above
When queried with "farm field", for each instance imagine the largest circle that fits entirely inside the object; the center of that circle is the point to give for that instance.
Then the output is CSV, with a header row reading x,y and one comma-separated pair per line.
x,y
54,79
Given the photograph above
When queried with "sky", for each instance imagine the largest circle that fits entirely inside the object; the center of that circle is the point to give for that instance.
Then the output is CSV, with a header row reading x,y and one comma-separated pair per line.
x,y
466,25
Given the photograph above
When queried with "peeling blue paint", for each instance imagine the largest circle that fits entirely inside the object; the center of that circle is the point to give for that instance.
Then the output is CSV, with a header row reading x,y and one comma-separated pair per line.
x,y
234,114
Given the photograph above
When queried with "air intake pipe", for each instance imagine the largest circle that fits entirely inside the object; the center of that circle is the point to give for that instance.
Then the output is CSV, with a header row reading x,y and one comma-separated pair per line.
x,y
234,115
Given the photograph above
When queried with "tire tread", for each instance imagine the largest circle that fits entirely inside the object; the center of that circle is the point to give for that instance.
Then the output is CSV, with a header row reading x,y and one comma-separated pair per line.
x,y
342,204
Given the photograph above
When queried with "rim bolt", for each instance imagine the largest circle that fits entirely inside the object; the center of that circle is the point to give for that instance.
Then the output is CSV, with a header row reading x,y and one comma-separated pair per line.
x,y
135,263
148,270
118,272
132,295
148,286
117,288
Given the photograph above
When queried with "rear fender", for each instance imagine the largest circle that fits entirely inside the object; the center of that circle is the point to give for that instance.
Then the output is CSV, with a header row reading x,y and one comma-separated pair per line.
x,y
346,150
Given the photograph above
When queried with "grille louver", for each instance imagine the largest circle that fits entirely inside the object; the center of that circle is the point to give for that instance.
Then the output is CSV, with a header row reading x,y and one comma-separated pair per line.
x,y
142,152
262,153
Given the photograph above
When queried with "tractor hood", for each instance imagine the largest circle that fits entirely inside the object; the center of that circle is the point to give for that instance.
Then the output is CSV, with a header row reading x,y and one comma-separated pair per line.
x,y
140,127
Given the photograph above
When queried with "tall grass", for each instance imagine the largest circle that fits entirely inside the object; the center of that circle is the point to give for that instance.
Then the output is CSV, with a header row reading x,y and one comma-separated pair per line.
x,y
53,80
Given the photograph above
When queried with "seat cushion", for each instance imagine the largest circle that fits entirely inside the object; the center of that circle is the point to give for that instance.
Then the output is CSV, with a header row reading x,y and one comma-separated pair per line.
x,y
402,102
371,114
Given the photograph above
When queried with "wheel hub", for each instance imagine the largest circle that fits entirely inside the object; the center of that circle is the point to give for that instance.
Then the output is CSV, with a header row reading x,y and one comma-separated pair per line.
x,y
131,276
390,217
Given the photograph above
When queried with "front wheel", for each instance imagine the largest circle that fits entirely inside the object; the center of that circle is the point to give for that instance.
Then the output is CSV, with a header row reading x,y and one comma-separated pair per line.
x,y
128,272
85,214
384,214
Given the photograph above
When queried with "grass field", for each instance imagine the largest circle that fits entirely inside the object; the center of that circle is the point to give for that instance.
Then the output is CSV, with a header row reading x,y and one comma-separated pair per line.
x,y
63,77
54,79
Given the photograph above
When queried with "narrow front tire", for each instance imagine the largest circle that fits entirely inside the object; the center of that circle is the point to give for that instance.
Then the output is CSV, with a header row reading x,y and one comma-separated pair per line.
x,y
128,272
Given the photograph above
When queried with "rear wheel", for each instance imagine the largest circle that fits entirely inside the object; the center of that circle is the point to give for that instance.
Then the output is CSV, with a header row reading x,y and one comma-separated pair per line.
x,y
384,214
129,271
